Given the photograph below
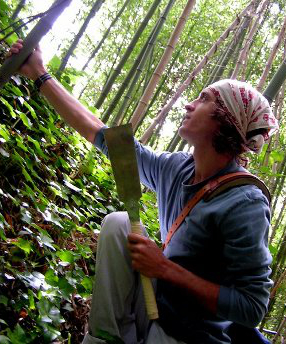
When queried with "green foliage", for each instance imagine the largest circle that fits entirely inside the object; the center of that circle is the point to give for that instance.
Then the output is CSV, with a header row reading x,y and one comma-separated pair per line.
x,y
55,190
53,198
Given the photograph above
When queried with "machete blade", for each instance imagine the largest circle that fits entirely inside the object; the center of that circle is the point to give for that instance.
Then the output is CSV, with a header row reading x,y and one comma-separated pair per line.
x,y
121,150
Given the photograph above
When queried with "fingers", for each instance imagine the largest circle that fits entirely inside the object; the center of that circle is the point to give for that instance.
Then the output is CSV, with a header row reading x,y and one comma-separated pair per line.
x,y
15,48
136,238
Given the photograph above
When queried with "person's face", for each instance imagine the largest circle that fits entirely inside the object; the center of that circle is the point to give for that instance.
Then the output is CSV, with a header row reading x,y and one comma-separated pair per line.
x,y
198,124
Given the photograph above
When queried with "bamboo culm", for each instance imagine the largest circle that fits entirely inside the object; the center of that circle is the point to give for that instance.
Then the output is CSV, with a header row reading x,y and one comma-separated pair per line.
x,y
140,110
271,57
127,53
11,65
105,35
165,110
139,70
95,8
249,38
107,113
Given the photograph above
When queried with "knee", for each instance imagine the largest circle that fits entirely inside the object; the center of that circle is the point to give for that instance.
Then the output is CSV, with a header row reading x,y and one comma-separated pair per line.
x,y
116,224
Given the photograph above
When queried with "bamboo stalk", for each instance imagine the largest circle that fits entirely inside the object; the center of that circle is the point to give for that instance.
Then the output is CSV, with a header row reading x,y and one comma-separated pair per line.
x,y
18,9
105,34
277,284
140,110
95,8
127,53
278,221
107,113
163,113
243,54
275,82
271,57
139,70
174,142
237,41
280,328
11,65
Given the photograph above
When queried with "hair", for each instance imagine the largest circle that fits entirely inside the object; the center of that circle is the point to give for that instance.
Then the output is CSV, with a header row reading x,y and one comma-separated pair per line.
x,y
227,140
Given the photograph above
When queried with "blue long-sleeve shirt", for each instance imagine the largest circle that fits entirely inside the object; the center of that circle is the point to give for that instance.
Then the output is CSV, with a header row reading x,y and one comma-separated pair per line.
x,y
223,241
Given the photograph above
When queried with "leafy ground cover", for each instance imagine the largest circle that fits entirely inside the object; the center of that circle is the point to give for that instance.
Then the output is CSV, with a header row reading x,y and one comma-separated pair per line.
x,y
55,189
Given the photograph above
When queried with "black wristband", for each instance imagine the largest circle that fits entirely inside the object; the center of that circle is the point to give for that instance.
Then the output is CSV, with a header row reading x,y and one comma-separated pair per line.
x,y
41,79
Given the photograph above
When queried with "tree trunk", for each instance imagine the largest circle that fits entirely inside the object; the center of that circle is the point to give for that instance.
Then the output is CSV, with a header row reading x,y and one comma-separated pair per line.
x,y
105,35
163,114
144,58
271,57
243,54
18,9
140,110
96,6
127,53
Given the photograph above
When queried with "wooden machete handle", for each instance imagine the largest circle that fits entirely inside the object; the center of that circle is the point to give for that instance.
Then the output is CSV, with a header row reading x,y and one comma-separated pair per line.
x,y
148,289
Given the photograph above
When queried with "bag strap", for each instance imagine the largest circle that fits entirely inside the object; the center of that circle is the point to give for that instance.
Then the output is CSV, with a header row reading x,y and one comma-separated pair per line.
x,y
213,188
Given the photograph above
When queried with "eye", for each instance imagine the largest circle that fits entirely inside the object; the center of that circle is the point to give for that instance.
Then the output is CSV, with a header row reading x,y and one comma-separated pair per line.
x,y
203,96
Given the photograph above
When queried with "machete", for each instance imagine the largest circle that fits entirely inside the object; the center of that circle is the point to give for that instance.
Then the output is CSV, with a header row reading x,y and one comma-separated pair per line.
x,y
121,150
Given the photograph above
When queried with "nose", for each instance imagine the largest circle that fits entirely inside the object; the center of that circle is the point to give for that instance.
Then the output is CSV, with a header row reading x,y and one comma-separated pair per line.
x,y
190,107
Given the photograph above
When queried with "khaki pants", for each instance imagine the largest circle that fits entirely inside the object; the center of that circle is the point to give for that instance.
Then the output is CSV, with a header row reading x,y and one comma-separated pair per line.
x,y
117,300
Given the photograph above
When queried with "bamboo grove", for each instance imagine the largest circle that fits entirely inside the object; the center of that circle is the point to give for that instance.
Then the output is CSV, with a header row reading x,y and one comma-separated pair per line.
x,y
128,62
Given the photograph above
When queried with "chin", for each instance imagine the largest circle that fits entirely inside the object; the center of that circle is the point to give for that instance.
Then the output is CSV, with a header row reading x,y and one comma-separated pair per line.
x,y
183,133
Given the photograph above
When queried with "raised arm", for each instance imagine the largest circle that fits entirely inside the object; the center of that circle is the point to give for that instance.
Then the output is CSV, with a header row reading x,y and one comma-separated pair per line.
x,y
68,107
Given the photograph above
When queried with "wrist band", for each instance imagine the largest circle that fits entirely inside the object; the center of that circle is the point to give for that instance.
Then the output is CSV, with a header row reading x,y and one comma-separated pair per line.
x,y
41,79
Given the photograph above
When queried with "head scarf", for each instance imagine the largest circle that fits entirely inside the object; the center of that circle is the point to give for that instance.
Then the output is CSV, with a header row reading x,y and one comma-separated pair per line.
x,y
247,109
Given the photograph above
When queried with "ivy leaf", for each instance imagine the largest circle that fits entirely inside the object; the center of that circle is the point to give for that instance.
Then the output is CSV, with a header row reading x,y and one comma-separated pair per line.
x,y
18,335
38,148
4,132
29,107
31,299
51,278
66,256
10,108
35,280
51,217
45,239
87,282
23,245
26,215
82,229
66,288
71,186
25,120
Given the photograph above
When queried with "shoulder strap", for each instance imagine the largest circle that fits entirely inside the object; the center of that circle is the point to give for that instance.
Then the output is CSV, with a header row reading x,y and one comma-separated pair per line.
x,y
214,188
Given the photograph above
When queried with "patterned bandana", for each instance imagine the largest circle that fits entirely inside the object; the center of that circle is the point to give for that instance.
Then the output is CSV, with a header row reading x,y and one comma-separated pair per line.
x,y
247,109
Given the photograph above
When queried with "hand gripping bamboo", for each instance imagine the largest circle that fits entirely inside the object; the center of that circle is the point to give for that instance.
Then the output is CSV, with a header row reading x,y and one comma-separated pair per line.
x,y
121,150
